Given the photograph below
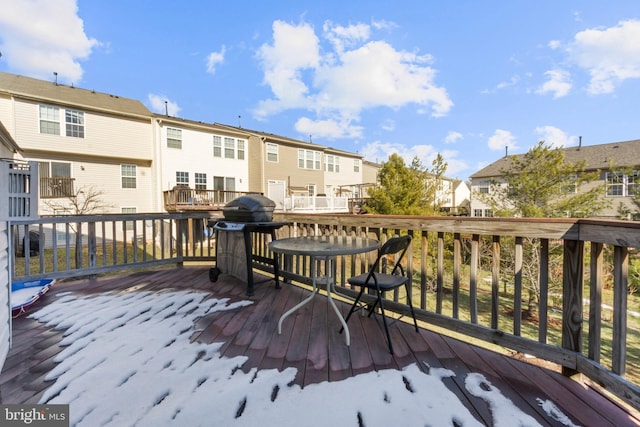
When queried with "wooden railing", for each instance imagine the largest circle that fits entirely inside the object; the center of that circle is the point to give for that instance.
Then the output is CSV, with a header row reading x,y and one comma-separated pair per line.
x,y
56,187
471,275
556,289
188,199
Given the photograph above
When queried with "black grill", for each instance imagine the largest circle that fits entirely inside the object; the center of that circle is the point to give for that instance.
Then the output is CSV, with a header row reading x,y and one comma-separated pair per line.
x,y
249,208
251,215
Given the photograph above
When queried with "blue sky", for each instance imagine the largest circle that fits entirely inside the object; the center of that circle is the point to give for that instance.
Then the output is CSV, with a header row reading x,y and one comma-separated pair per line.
x,y
465,79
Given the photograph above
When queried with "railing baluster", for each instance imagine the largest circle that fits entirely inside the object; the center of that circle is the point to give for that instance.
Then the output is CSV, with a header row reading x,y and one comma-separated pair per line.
x,y
495,282
620,292
517,289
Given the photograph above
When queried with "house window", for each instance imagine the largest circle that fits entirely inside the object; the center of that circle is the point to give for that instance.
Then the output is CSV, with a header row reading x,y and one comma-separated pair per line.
x,y
483,186
622,185
272,152
128,175
240,149
201,181
182,178
55,180
356,165
477,212
633,184
229,148
570,186
332,163
309,159
128,225
223,183
49,120
217,146
74,121
488,213
174,138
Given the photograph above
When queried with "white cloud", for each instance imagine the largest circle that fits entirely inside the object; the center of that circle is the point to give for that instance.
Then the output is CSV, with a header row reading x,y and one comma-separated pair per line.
x,y
379,152
501,139
554,44
558,83
610,55
40,37
554,137
160,104
328,128
294,49
341,37
352,73
388,125
452,137
214,59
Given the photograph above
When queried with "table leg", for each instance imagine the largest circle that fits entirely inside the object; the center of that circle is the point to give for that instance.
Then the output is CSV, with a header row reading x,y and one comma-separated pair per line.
x,y
304,301
330,285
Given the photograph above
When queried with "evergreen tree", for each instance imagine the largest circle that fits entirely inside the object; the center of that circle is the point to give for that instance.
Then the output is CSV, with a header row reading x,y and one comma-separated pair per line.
x,y
401,189
541,184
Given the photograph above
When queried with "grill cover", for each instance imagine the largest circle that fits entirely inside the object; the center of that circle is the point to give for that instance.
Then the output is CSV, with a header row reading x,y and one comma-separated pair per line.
x,y
249,208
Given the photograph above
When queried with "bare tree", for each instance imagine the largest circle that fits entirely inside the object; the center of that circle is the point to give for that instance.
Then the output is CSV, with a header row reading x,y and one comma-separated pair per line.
x,y
85,201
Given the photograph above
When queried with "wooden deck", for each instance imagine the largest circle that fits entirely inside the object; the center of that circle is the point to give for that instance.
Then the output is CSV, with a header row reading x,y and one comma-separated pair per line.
x,y
310,343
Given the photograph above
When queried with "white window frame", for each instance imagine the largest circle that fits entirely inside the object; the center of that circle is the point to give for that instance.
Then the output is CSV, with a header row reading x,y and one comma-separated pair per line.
x,y
272,152
49,117
74,123
128,225
356,165
128,175
241,149
484,186
200,181
174,138
332,163
182,178
217,146
623,184
229,148
309,159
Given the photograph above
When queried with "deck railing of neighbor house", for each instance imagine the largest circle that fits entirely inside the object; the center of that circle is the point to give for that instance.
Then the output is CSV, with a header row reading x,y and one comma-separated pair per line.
x,y
535,286
189,199
56,187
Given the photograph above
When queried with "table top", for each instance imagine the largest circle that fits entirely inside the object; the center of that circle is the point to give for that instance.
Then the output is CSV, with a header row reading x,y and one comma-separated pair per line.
x,y
324,245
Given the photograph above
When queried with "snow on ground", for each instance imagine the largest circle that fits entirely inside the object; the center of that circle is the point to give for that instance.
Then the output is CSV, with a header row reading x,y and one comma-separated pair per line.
x,y
128,360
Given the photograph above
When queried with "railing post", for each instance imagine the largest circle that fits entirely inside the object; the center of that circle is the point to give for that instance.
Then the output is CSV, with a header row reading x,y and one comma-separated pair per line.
x,y
92,246
572,299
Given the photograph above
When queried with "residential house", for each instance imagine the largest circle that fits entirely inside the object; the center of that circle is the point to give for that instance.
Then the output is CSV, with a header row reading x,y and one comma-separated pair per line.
x,y
300,175
83,142
453,196
617,163
86,142
199,156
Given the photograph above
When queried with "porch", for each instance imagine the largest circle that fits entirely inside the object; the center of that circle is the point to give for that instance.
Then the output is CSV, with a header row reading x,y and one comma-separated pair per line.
x,y
472,279
310,344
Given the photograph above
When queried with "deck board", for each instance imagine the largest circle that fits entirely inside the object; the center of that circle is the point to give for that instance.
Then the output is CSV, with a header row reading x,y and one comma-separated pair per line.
x,y
311,343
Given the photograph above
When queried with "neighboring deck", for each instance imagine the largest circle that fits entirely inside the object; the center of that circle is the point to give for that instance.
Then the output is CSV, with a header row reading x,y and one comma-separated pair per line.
x,y
310,343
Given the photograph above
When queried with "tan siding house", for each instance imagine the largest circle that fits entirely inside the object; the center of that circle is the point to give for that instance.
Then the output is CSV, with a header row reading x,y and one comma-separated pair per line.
x,y
618,164
83,141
